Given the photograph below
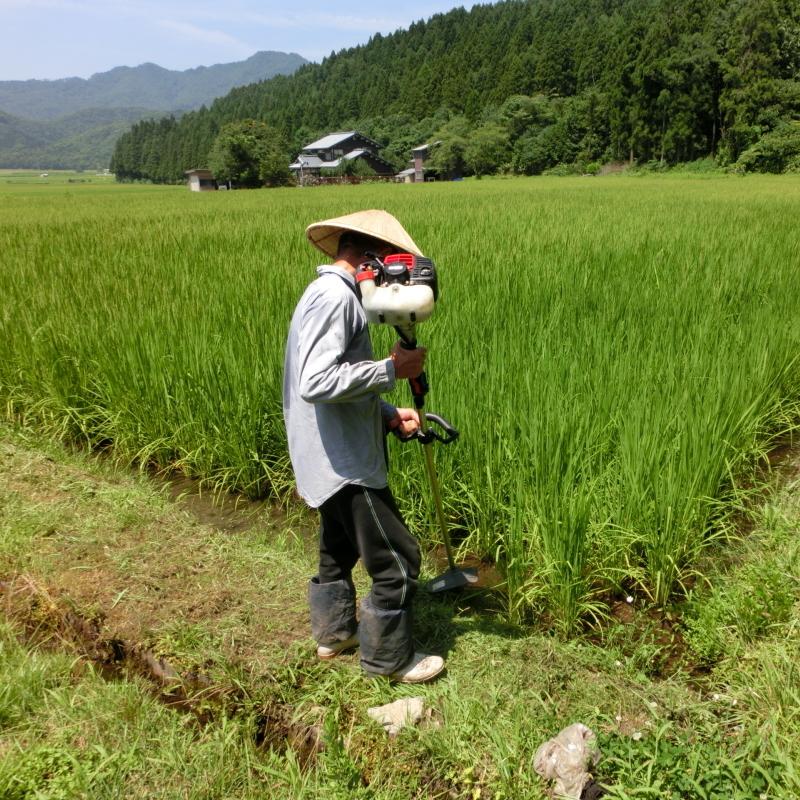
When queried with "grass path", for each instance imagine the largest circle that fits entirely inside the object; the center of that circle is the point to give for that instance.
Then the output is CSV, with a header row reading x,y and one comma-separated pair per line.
x,y
701,706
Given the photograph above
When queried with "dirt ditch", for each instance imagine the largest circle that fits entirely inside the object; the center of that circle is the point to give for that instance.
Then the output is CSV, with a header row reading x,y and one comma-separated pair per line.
x,y
43,620
223,511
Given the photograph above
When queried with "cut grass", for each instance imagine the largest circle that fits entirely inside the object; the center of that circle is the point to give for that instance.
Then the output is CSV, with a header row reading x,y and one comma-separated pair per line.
x,y
83,532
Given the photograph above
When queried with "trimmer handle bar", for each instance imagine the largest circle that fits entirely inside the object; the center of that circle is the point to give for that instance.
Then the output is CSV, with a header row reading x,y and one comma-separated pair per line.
x,y
430,435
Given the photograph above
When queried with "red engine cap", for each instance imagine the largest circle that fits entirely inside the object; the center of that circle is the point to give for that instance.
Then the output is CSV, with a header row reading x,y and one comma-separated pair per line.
x,y
409,259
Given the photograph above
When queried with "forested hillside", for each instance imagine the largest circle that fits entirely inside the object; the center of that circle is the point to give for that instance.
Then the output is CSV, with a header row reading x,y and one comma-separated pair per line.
x,y
74,123
83,140
526,86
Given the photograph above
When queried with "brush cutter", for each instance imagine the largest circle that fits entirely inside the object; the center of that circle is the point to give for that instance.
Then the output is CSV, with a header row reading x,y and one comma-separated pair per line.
x,y
401,291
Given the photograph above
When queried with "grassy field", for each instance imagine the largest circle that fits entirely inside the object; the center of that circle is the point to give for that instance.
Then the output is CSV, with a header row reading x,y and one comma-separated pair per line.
x,y
616,352
51,177
98,567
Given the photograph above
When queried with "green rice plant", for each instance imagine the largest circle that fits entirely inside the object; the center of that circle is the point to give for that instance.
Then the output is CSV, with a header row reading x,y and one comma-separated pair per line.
x,y
614,352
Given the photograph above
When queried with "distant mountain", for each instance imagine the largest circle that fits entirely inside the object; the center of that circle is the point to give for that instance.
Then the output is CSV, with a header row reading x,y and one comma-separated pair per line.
x,y
146,86
84,140
73,123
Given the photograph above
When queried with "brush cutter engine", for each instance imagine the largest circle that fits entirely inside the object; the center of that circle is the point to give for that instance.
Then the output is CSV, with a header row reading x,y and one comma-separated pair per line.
x,y
399,290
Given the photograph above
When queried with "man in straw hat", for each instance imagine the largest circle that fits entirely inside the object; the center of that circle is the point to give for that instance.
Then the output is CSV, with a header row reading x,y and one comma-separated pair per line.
x,y
336,422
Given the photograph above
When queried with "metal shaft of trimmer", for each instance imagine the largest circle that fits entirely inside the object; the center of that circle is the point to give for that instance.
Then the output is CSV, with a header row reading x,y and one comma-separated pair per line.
x,y
419,388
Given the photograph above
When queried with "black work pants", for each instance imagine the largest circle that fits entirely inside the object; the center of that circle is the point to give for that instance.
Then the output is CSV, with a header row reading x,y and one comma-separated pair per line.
x,y
358,522
364,523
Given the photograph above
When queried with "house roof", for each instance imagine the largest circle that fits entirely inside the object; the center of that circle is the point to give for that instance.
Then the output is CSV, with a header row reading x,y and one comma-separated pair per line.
x,y
201,173
307,161
314,162
332,139
424,147
409,171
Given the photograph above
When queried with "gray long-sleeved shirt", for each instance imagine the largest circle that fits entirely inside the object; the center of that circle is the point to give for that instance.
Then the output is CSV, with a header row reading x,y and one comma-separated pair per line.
x,y
331,382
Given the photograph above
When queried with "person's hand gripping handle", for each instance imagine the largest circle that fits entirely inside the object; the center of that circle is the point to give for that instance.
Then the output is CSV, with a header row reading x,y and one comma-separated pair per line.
x,y
409,362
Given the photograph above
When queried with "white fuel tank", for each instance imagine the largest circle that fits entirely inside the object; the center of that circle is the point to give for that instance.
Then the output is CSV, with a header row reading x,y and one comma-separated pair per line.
x,y
395,303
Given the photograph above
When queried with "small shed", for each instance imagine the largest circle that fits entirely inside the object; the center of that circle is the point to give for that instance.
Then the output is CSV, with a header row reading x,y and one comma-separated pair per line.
x,y
417,172
406,176
201,180
418,157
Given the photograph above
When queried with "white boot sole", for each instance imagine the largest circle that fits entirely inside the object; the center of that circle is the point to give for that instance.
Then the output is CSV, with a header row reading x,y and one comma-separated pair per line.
x,y
327,652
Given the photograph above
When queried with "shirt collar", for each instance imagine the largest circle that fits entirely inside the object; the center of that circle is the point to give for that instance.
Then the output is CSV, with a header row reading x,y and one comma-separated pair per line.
x,y
332,269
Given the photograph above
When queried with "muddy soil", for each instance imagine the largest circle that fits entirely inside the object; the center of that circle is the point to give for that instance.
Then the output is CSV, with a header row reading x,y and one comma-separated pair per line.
x,y
224,511
141,567
47,621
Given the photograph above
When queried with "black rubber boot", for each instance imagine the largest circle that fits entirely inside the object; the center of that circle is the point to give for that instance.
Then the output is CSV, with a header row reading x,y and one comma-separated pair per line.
x,y
385,637
333,610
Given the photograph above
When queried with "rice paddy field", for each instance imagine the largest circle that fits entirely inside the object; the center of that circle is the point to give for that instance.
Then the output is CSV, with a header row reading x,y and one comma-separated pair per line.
x,y
618,353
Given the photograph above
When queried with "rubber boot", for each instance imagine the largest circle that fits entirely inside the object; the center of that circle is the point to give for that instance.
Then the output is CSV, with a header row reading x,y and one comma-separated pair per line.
x,y
386,638
333,610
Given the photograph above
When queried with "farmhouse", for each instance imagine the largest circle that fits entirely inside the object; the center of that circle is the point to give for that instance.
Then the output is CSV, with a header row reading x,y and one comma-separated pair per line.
x,y
336,152
200,180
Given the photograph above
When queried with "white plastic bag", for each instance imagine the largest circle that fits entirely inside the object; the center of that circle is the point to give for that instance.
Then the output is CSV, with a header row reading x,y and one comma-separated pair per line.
x,y
567,759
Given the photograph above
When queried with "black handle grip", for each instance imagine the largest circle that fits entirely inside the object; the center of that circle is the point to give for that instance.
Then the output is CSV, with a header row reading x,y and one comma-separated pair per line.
x,y
419,385
401,438
431,435
450,433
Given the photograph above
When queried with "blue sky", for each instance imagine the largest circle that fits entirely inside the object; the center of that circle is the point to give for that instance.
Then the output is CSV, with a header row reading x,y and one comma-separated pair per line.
x,y
63,38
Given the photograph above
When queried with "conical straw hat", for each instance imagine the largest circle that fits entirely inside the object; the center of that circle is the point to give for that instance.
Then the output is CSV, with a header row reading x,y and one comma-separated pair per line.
x,y
378,224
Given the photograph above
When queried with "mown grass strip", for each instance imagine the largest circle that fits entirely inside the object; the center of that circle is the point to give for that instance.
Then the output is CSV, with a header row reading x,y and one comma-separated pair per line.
x,y
82,530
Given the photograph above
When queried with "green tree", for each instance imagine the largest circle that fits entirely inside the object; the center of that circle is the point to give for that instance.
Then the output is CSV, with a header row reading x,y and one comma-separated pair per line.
x,y
488,149
541,149
352,168
250,153
750,102
447,157
520,112
777,151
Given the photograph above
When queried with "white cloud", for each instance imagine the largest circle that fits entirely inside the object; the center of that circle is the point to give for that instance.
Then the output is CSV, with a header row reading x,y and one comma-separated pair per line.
x,y
206,35
309,20
342,22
